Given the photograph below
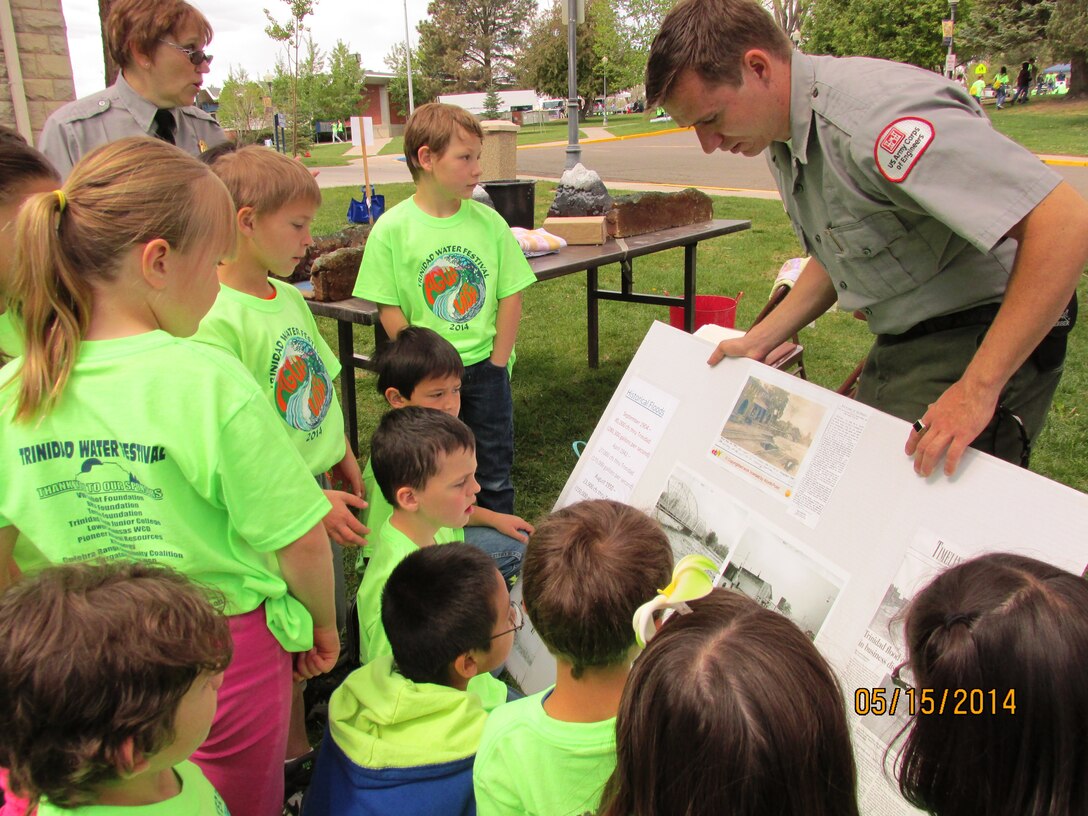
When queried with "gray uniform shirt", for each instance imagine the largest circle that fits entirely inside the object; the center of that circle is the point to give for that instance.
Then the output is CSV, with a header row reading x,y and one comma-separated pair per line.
x,y
896,182
115,113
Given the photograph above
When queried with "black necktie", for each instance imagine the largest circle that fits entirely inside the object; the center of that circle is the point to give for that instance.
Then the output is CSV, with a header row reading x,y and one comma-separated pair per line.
x,y
165,125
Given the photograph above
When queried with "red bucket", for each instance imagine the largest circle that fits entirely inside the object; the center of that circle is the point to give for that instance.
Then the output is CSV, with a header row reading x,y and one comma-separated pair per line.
x,y
717,309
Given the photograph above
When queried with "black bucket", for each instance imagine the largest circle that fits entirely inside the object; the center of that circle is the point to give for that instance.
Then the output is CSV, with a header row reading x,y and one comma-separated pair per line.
x,y
514,200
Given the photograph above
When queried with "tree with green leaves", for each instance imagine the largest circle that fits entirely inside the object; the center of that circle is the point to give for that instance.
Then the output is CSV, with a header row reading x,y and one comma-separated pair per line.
x,y
242,106
1009,30
643,20
426,85
472,43
492,104
904,32
543,62
341,93
290,33
1068,30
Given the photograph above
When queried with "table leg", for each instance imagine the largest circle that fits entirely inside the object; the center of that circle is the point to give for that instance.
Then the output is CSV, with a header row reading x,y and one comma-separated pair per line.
x,y
346,349
689,288
592,322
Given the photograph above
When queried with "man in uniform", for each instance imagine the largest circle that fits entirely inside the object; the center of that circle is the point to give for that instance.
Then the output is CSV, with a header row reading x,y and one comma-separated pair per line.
x,y
160,48
960,248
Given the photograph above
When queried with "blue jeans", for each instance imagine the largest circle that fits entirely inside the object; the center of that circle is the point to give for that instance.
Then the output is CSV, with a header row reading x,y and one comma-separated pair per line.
x,y
507,552
1001,96
488,409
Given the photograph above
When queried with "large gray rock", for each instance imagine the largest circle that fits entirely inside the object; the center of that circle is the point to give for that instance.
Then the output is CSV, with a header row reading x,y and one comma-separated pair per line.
x,y
580,192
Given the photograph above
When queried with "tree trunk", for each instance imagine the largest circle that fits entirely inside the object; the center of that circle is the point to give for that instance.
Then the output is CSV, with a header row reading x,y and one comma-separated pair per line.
x,y
1078,74
111,67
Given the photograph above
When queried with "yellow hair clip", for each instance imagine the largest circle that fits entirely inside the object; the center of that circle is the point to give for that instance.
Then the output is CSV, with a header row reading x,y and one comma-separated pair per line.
x,y
689,581
62,199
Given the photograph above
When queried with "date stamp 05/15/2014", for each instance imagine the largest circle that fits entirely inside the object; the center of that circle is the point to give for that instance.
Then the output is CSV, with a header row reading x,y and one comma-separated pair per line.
x,y
911,701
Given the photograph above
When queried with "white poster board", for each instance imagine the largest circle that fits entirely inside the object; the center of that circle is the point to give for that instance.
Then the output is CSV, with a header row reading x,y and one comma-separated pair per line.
x,y
809,503
362,127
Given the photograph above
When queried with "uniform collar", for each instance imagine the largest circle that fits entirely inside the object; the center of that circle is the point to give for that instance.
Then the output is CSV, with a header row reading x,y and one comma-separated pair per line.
x,y
143,112
802,91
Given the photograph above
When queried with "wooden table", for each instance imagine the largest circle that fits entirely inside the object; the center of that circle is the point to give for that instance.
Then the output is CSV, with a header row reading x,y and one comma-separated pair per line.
x,y
570,260
623,251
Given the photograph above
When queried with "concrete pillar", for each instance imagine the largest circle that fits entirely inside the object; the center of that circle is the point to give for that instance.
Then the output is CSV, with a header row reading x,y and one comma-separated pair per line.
x,y
500,151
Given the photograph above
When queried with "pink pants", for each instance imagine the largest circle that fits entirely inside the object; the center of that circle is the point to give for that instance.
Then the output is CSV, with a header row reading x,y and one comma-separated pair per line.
x,y
243,754
13,805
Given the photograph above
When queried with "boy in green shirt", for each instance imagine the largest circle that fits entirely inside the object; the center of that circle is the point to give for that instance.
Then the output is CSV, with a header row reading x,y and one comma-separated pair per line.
x,y
441,260
587,569
424,462
420,367
403,730
108,682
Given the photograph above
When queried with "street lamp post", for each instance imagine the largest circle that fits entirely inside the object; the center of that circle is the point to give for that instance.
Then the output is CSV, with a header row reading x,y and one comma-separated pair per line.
x,y
604,72
408,56
951,36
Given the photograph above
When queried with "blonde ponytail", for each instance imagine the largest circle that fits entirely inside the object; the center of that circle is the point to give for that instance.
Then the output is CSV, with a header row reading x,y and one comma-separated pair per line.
x,y
124,194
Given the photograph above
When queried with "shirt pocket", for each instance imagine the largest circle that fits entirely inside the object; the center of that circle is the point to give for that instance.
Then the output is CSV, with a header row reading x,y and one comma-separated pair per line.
x,y
879,257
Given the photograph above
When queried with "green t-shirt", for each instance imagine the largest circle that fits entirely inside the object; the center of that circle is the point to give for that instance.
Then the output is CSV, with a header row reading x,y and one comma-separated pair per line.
x,y
278,342
197,798
162,449
447,274
977,87
390,547
529,763
377,513
11,337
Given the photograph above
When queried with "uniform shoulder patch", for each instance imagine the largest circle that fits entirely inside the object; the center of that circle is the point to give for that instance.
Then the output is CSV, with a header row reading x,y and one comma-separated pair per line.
x,y
900,145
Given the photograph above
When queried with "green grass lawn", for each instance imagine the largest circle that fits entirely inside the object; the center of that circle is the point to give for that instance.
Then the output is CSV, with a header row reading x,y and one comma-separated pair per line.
x,y
1045,124
552,371
327,155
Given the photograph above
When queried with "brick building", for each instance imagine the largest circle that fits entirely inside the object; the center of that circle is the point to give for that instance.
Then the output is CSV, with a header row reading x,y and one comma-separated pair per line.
x,y
35,68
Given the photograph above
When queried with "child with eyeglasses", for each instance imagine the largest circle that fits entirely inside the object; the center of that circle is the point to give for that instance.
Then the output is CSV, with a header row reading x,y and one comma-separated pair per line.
x,y
403,730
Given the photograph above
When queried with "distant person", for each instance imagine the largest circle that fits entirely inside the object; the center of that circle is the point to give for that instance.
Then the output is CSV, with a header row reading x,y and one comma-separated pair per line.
x,y
968,287
587,569
1001,86
109,677
1023,84
159,45
714,722
977,88
1005,637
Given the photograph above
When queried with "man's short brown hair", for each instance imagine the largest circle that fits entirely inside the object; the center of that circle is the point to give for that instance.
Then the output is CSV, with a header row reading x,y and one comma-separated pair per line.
x,y
433,125
263,179
710,37
587,568
141,24
92,656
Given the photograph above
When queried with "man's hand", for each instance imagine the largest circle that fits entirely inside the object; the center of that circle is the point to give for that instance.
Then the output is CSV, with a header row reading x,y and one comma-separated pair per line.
x,y
340,523
735,347
322,657
951,423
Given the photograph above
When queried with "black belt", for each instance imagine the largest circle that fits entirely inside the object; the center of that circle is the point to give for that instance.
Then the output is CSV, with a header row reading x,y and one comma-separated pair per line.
x,y
975,316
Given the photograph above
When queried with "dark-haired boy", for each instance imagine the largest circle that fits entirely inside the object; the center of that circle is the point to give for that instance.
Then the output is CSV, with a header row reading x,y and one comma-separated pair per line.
x,y
420,367
587,569
440,259
109,675
403,730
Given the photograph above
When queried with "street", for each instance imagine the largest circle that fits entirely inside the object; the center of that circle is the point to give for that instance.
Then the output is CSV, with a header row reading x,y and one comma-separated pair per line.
x,y
669,159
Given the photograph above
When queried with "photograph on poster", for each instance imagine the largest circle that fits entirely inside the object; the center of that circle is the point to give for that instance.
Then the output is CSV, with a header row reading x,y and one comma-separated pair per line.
x,y
774,425
698,517
782,576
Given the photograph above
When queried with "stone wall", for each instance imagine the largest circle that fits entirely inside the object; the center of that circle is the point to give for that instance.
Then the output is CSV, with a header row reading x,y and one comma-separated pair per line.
x,y
41,36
